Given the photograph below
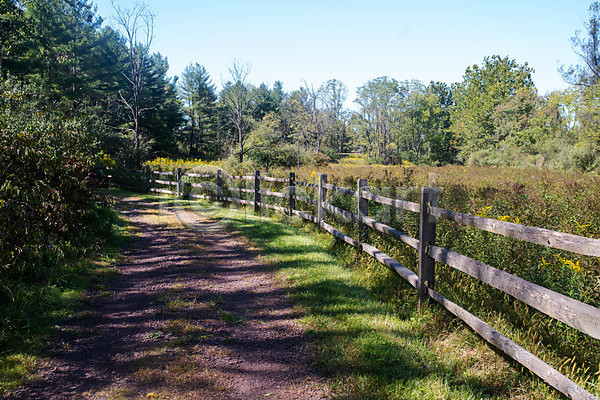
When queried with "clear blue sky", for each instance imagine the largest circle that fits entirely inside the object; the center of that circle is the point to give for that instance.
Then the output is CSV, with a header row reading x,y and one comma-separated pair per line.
x,y
355,41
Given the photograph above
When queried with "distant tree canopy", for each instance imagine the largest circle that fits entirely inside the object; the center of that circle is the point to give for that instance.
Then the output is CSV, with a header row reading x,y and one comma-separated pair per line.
x,y
482,90
106,73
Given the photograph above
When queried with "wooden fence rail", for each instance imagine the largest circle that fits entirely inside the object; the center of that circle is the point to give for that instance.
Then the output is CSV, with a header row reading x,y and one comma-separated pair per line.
x,y
574,313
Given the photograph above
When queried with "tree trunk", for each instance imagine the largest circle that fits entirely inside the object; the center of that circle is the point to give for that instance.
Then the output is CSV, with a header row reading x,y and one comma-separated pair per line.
x,y
191,152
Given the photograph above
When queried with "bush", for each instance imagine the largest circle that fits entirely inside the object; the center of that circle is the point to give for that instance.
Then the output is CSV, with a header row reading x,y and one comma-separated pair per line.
x,y
275,156
47,201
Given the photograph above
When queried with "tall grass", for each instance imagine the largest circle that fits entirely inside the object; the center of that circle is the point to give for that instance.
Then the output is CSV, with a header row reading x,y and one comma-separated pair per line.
x,y
560,201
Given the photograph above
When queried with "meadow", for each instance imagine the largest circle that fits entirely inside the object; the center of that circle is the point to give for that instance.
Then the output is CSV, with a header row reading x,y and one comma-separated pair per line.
x,y
559,201
565,202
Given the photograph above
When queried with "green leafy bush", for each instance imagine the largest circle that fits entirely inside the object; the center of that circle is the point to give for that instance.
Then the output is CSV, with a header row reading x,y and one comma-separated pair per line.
x,y
47,203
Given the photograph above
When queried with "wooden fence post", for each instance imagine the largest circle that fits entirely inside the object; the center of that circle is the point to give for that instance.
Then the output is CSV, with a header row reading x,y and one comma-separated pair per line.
x,y
363,211
179,185
147,170
426,238
256,191
393,195
219,184
322,197
292,190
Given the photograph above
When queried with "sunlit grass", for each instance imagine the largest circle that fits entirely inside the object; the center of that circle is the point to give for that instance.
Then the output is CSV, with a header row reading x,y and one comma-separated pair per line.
x,y
367,347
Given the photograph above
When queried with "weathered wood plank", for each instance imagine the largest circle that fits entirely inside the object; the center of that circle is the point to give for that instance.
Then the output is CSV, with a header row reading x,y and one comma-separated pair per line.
x,y
403,204
272,179
321,214
272,207
194,175
388,230
516,352
306,216
236,177
240,201
201,185
574,313
340,189
362,207
306,200
426,239
292,192
340,212
236,189
256,191
163,173
161,182
339,234
162,191
276,194
394,265
545,237
200,196
306,184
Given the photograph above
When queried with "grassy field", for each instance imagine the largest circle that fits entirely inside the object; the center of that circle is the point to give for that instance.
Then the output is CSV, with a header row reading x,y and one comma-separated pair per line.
x,y
367,335
368,346
559,201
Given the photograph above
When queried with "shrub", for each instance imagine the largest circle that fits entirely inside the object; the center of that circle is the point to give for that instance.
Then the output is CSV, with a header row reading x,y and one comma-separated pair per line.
x,y
47,201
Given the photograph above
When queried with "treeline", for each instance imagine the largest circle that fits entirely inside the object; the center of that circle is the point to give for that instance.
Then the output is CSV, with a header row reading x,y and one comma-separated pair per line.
x,y
106,74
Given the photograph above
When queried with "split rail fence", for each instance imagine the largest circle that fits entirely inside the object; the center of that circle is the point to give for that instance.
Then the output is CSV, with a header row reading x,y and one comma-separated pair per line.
x,y
574,313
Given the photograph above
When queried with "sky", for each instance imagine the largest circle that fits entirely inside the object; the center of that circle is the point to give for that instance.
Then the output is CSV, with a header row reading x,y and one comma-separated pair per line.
x,y
312,41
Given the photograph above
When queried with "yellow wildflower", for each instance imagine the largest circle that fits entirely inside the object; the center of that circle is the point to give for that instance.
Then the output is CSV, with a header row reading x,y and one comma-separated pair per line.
x,y
484,212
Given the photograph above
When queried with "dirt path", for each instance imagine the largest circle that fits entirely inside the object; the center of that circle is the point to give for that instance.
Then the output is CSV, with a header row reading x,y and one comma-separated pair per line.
x,y
194,315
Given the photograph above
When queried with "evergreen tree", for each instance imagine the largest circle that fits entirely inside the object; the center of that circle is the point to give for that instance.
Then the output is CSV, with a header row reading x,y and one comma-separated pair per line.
x,y
199,105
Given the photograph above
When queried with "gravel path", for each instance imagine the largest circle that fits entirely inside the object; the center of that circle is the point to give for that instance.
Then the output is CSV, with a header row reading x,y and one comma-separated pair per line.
x,y
193,315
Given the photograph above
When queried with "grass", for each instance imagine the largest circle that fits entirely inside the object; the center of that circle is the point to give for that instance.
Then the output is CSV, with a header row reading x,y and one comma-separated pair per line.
x,y
33,315
370,348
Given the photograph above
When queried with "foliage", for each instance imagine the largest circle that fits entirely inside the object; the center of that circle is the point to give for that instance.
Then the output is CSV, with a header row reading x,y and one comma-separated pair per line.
x,y
586,45
50,219
191,165
482,90
558,201
199,105
47,183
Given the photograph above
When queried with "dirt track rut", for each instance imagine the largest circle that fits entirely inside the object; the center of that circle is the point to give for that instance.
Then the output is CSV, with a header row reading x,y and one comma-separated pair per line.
x,y
194,314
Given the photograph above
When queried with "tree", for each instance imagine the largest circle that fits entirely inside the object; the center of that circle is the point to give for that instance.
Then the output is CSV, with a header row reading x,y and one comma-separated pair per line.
x,y
376,99
164,110
586,78
298,120
236,97
199,105
476,98
265,101
137,26
13,29
587,47
317,119
333,94
441,147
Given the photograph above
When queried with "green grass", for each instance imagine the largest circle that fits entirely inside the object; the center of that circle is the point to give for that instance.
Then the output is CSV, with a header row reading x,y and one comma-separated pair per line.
x,y
369,348
34,311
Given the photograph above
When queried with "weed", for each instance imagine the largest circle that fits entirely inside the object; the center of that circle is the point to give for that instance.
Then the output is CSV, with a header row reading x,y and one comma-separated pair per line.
x,y
230,318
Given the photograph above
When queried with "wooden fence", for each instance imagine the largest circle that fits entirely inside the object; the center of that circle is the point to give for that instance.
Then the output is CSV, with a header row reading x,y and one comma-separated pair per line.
x,y
574,313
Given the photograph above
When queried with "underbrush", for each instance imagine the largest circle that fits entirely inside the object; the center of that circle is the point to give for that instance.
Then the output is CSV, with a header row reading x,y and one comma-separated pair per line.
x,y
51,218
32,307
